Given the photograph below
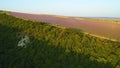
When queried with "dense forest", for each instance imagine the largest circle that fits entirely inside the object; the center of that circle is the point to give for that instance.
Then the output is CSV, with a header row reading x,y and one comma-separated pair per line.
x,y
49,46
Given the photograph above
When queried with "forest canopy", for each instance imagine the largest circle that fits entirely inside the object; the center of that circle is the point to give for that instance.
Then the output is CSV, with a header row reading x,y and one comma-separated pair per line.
x,y
53,47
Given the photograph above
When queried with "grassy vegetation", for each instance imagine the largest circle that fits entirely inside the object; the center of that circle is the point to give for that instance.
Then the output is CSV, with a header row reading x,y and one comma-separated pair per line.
x,y
4,12
53,47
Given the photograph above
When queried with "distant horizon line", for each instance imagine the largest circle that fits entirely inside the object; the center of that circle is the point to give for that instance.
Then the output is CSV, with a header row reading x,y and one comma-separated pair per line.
x,y
60,14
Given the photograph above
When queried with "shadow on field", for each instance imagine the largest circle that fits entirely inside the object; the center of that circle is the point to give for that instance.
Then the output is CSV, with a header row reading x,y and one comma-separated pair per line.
x,y
39,54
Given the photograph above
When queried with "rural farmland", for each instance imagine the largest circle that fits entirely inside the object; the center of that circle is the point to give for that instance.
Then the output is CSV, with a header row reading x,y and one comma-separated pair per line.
x,y
92,26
